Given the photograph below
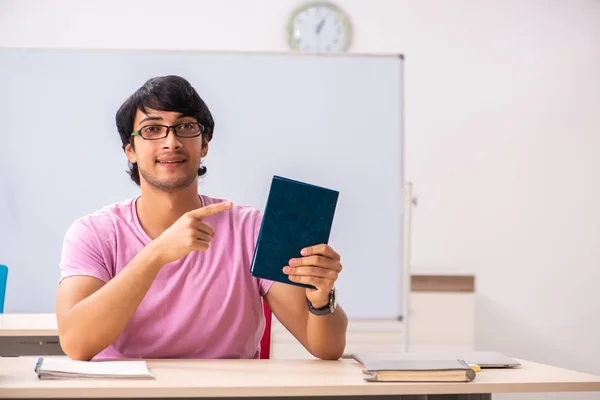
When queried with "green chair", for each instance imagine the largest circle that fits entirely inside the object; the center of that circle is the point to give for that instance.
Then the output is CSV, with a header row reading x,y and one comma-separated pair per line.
x,y
3,277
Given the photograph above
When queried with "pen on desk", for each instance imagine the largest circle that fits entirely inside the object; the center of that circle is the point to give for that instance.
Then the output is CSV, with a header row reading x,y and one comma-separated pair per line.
x,y
38,364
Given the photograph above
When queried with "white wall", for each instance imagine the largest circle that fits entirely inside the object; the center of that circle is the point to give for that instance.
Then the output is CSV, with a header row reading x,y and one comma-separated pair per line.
x,y
503,136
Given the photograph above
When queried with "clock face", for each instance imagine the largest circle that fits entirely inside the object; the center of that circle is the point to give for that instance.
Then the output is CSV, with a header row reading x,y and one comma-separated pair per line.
x,y
319,27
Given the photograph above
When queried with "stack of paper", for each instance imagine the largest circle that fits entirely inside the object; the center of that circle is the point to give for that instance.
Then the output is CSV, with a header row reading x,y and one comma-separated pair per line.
x,y
65,368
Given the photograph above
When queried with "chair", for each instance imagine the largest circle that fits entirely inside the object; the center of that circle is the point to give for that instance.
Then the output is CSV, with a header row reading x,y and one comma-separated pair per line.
x,y
3,277
265,342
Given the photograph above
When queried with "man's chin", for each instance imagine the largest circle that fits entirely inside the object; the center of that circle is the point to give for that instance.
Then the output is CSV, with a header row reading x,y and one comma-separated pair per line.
x,y
172,187
171,184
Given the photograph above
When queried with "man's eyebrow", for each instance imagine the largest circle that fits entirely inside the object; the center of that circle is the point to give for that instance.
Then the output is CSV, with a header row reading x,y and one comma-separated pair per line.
x,y
151,119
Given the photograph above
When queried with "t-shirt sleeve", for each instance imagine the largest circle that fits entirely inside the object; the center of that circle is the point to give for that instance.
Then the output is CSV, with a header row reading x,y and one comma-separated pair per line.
x,y
83,253
263,284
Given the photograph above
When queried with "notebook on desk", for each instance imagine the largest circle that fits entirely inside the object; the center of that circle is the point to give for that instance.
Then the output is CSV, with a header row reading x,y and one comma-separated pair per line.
x,y
377,370
65,368
297,215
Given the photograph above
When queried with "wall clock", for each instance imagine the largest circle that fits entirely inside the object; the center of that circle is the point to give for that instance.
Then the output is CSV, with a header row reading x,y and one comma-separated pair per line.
x,y
319,27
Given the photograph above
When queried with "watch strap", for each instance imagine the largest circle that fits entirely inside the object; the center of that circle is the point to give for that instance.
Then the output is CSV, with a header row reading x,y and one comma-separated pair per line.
x,y
327,309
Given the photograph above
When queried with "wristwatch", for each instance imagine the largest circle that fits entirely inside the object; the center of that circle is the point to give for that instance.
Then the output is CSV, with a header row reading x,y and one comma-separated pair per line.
x,y
327,309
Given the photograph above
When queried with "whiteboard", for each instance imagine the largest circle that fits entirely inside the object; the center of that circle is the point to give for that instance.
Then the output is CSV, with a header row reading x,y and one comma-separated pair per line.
x,y
334,121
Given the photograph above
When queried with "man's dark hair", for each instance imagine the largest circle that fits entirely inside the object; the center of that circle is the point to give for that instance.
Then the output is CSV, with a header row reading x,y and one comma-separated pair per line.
x,y
163,93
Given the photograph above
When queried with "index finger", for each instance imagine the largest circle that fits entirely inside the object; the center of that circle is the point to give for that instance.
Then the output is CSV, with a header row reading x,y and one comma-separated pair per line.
x,y
321,249
211,209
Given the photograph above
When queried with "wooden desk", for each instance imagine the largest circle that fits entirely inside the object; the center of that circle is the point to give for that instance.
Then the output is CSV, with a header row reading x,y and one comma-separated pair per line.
x,y
29,334
282,379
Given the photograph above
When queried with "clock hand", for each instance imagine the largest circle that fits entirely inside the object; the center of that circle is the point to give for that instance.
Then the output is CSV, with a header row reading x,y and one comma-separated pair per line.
x,y
320,25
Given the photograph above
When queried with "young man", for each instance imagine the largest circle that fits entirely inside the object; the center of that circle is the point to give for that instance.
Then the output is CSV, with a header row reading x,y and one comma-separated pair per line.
x,y
166,274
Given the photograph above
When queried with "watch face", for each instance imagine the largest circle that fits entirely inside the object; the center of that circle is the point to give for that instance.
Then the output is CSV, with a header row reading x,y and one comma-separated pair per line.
x,y
332,300
319,27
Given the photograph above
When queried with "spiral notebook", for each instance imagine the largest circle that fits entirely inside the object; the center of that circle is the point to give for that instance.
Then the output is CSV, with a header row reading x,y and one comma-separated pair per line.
x,y
297,215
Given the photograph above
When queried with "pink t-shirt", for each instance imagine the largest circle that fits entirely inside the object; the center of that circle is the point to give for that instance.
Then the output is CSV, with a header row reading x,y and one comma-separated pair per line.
x,y
205,305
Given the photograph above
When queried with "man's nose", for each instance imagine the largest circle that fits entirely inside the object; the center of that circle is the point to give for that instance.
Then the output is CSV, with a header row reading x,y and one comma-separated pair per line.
x,y
171,141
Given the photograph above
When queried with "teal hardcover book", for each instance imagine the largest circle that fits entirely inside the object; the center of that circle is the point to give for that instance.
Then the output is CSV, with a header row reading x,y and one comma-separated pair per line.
x,y
297,215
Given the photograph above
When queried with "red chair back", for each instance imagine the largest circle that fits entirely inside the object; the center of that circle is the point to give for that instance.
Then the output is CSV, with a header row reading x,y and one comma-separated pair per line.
x,y
265,342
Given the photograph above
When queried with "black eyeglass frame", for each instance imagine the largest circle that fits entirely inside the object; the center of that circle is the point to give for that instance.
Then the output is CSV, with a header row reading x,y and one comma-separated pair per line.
x,y
169,127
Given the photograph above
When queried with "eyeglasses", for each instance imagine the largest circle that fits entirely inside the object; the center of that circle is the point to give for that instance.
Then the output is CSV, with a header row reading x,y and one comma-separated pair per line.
x,y
156,132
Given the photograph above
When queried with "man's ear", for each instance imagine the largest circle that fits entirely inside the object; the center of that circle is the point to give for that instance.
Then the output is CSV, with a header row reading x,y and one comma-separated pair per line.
x,y
204,150
130,153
